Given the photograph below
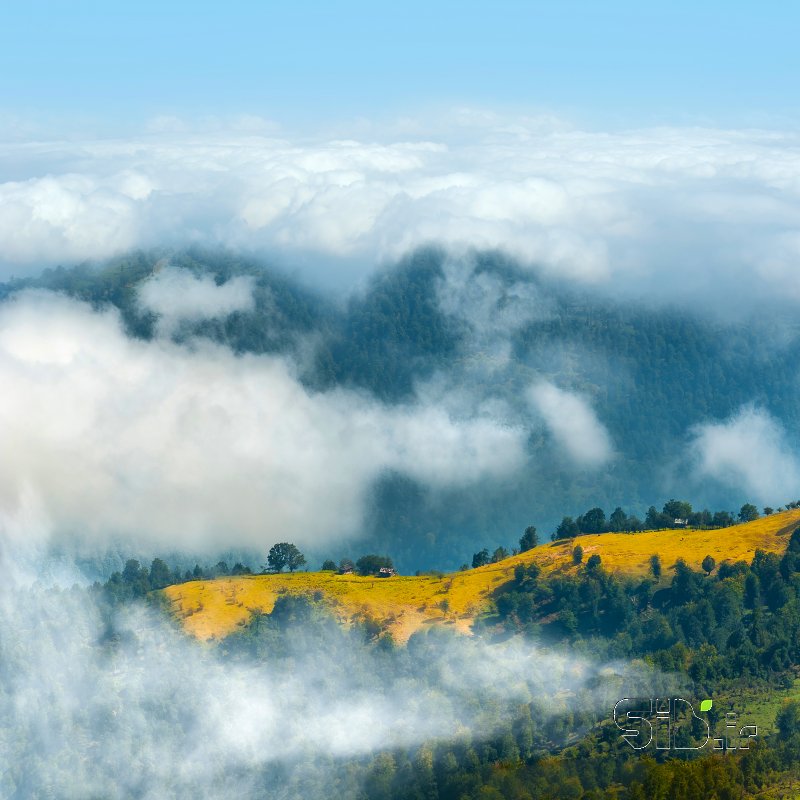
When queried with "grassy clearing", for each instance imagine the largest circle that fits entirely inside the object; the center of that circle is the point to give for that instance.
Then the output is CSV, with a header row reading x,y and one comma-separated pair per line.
x,y
213,609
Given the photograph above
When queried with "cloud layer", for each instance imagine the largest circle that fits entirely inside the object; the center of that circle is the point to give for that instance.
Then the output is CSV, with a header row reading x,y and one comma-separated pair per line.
x,y
689,209
154,715
192,446
177,295
573,424
749,452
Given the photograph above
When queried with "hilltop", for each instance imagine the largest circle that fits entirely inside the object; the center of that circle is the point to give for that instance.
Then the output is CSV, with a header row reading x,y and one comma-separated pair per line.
x,y
404,604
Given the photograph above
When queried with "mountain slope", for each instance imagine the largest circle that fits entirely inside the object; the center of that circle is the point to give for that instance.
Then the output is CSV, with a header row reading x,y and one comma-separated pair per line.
x,y
478,333
404,604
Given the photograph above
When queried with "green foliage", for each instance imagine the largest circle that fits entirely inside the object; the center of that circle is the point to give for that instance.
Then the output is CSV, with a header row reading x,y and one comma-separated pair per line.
x,y
160,574
328,565
594,562
371,564
593,521
499,554
529,539
708,564
677,509
577,554
285,555
655,565
748,513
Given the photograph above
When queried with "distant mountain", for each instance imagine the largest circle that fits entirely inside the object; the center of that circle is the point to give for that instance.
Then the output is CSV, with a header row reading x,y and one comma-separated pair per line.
x,y
479,332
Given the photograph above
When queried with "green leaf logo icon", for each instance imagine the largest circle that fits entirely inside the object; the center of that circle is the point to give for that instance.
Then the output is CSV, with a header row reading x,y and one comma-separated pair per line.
x,y
705,705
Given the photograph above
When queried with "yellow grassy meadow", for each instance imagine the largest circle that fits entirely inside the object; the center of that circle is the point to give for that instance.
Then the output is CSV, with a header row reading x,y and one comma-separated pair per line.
x,y
212,609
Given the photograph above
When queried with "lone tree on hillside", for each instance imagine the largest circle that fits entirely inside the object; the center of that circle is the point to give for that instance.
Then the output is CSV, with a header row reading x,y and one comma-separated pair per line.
x,y
708,564
328,565
529,539
285,554
577,554
480,559
748,513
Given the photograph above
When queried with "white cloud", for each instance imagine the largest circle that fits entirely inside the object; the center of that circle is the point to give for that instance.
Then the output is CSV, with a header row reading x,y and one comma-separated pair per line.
x,y
688,208
195,447
573,424
157,715
748,452
177,295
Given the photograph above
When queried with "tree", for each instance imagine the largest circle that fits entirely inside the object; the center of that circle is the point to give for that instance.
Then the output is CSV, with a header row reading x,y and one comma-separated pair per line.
x,y
788,721
132,572
528,540
700,519
593,521
480,559
371,564
752,591
160,575
285,554
346,564
577,554
723,519
708,564
594,562
768,510
136,578
748,513
677,509
794,541
618,521
499,554
328,565
656,520
655,565
685,586
568,619
566,529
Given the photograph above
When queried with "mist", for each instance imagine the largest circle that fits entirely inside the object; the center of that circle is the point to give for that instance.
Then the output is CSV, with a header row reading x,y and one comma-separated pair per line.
x,y
698,217
114,440
122,704
752,450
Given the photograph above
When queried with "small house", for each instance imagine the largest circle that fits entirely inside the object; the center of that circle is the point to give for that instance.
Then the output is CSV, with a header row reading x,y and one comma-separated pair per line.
x,y
386,572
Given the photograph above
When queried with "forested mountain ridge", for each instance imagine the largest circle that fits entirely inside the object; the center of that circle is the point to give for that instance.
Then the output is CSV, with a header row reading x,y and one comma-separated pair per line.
x,y
485,332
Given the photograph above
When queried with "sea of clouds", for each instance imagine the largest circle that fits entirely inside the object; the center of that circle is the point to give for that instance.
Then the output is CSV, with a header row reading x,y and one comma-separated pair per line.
x,y
669,211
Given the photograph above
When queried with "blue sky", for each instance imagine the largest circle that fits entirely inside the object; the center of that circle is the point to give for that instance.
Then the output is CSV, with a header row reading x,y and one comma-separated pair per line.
x,y
609,63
